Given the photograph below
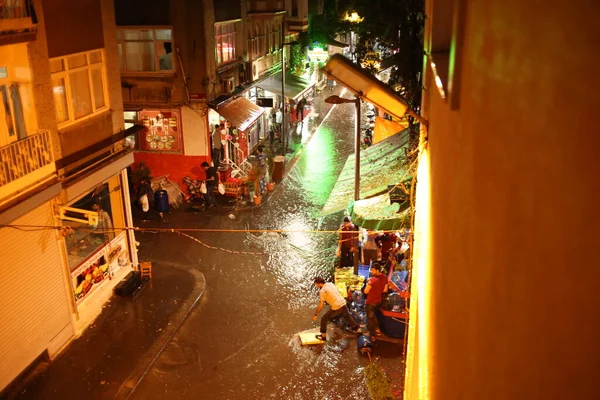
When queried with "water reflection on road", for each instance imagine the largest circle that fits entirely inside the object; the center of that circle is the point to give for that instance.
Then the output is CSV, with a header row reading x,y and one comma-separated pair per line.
x,y
241,342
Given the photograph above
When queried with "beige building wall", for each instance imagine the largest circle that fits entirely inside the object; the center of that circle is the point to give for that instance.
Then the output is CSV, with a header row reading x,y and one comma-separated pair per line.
x,y
111,57
506,256
195,132
40,73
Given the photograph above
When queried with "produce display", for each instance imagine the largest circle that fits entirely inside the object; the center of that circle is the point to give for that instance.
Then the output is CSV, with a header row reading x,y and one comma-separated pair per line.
x,y
90,276
345,278
99,267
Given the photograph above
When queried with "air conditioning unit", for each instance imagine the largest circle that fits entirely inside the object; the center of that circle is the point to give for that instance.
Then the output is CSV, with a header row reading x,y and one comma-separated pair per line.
x,y
227,85
255,71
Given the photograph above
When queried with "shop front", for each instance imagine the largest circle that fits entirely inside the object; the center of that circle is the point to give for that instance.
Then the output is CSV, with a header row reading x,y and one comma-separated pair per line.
x,y
241,127
98,251
296,88
174,141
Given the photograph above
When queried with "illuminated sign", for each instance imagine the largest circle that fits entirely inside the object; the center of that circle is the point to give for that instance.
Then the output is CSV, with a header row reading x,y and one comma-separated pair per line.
x,y
317,54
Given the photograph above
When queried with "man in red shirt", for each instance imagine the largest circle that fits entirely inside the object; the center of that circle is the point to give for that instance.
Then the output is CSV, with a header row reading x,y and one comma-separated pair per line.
x,y
387,242
376,287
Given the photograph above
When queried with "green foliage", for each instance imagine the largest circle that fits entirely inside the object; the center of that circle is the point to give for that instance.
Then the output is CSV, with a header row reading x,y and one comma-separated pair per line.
x,y
378,383
298,59
390,28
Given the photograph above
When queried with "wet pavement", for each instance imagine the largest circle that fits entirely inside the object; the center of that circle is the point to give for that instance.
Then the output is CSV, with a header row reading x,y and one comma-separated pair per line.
x,y
120,340
238,340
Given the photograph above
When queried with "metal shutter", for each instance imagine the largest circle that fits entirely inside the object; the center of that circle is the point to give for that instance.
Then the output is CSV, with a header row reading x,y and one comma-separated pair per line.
x,y
33,302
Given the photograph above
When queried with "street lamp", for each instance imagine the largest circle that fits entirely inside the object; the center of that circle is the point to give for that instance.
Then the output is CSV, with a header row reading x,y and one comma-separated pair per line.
x,y
340,100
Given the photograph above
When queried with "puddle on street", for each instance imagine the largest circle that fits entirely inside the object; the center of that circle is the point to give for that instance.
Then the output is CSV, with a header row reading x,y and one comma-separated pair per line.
x,y
255,304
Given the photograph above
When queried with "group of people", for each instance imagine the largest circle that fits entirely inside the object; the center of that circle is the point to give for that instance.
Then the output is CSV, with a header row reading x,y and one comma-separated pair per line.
x,y
276,131
382,251
366,246
375,288
219,139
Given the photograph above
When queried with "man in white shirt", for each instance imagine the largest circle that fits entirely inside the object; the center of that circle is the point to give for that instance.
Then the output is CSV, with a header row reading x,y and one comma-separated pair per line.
x,y
217,146
278,120
337,306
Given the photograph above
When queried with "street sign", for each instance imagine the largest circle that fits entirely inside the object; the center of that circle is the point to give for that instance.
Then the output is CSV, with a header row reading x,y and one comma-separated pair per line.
x,y
264,102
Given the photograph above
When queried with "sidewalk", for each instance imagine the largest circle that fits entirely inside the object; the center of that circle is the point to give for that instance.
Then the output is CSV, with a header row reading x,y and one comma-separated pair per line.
x,y
110,357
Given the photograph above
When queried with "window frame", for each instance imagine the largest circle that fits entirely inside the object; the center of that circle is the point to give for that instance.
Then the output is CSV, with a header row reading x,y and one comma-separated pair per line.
x,y
19,131
219,35
65,74
158,45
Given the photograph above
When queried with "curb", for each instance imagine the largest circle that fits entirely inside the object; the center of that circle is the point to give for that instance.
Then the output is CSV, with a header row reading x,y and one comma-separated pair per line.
x,y
130,384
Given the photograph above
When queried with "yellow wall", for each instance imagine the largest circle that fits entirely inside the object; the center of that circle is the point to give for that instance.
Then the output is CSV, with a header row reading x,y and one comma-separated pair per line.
x,y
15,59
510,300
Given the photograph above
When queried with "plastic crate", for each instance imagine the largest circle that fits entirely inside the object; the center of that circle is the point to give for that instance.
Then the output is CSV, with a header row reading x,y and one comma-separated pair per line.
x,y
363,270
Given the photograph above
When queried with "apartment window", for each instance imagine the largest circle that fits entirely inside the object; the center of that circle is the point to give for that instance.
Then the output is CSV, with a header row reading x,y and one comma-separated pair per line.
x,y
145,50
12,120
78,86
225,42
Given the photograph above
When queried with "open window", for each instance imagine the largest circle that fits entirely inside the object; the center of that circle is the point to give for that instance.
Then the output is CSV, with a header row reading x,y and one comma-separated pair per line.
x,y
145,49
12,120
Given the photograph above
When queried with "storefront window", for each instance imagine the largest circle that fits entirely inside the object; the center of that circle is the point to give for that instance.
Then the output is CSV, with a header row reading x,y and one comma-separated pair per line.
x,y
86,239
95,251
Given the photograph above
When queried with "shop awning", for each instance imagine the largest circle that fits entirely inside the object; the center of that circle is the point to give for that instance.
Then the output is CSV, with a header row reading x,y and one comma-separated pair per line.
x,y
385,128
295,86
240,112
379,214
336,43
381,165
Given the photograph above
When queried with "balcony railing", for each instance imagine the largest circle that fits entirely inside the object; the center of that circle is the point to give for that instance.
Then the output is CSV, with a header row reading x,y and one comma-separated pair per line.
x,y
22,158
17,21
12,9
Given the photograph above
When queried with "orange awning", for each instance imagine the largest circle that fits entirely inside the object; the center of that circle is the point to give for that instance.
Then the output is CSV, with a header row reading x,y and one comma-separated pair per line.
x,y
240,112
385,128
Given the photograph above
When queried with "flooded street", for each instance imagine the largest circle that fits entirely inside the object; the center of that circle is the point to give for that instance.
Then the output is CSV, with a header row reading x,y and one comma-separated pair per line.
x,y
221,317
240,340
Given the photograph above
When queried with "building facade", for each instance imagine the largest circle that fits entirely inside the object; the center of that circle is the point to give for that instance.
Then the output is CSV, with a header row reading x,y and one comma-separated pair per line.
x,y
187,67
504,298
63,208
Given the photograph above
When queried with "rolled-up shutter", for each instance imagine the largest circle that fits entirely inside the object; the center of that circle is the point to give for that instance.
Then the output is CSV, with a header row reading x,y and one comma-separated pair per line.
x,y
34,311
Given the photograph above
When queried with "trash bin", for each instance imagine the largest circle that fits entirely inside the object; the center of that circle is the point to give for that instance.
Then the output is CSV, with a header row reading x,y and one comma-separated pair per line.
x,y
161,201
278,168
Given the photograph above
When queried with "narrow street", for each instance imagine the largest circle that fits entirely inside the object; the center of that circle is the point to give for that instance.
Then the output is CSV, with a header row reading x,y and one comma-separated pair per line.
x,y
240,342
221,318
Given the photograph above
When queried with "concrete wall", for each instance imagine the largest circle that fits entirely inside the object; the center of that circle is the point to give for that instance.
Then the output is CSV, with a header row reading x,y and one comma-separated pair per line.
x,y
506,259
